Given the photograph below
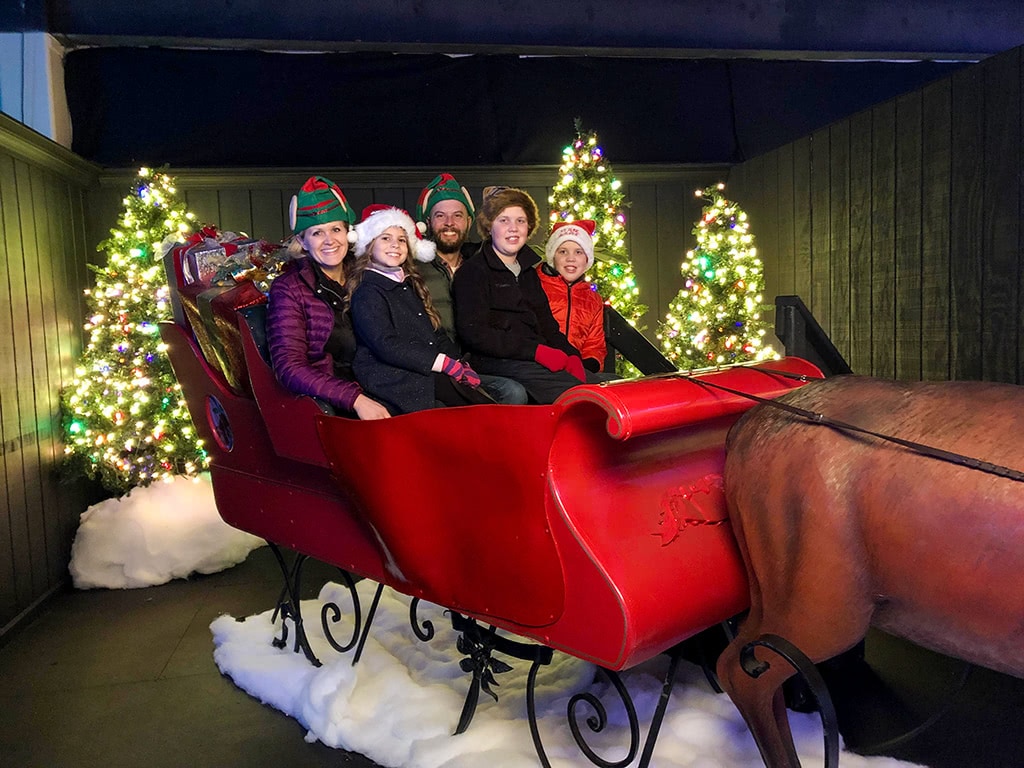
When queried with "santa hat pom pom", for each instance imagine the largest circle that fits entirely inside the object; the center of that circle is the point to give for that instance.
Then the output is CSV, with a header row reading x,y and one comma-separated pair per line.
x,y
425,250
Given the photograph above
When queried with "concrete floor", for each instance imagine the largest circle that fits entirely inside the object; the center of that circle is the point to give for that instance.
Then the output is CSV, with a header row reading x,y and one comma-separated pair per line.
x,y
127,678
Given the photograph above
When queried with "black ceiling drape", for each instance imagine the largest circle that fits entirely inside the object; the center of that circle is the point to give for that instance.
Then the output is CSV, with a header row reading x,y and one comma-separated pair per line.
x,y
248,108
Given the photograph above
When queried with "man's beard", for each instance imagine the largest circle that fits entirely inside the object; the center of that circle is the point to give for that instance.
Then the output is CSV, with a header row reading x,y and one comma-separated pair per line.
x,y
447,247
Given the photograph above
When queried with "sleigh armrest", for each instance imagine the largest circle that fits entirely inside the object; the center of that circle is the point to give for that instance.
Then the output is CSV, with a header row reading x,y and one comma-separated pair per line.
x,y
672,400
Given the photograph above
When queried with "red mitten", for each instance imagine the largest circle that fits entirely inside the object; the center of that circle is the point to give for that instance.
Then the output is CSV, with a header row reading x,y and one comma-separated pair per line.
x,y
461,372
551,358
574,366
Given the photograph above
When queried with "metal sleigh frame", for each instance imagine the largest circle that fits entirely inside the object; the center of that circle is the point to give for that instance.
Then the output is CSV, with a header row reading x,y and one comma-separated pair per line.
x,y
564,528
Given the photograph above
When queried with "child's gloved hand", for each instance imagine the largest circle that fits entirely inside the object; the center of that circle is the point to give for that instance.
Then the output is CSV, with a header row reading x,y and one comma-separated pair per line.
x,y
551,358
574,365
461,372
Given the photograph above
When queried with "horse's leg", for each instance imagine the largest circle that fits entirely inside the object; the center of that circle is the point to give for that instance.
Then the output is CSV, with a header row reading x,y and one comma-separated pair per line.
x,y
806,587
760,702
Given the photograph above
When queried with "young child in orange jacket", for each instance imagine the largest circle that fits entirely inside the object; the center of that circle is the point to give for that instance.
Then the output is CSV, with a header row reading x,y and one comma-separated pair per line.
x,y
575,302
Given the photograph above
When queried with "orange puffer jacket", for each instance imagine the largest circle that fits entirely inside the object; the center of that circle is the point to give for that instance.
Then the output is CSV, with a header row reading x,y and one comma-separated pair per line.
x,y
579,310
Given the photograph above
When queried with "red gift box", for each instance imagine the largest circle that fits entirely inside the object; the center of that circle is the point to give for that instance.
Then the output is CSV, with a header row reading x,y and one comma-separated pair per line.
x,y
212,314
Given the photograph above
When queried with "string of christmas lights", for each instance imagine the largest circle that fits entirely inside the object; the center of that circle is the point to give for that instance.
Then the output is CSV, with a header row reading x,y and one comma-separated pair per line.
x,y
125,420
716,318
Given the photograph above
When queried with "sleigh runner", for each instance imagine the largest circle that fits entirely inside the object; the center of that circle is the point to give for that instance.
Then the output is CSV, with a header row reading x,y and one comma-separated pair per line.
x,y
595,526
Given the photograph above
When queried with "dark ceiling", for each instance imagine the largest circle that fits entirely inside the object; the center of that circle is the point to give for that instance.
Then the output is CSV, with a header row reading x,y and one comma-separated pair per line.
x,y
413,82
693,28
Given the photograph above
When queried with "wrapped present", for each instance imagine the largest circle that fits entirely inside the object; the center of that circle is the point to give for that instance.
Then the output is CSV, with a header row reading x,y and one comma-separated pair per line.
x,y
202,261
218,308
261,269
211,312
218,273
245,248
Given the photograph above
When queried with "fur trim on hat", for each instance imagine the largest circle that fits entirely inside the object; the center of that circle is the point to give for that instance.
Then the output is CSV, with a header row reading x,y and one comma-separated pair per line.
x,y
377,218
497,199
581,232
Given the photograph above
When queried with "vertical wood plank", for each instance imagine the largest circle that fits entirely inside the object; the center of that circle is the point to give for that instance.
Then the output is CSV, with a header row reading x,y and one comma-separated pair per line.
x,y
839,236
642,242
32,379
883,240
15,375
767,227
935,226
965,223
406,198
802,219
66,294
46,353
13,535
861,318
204,204
784,264
672,236
270,215
821,266
1001,205
358,197
105,208
908,237
234,211
82,275
1020,234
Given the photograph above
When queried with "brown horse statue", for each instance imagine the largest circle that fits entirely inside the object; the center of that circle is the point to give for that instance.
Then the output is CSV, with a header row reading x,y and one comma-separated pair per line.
x,y
841,530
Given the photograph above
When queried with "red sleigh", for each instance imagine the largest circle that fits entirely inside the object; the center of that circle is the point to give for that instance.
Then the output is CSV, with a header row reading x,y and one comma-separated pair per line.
x,y
595,526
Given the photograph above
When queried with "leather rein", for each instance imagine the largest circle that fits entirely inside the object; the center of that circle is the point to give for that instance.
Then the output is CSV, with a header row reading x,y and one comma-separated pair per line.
x,y
822,419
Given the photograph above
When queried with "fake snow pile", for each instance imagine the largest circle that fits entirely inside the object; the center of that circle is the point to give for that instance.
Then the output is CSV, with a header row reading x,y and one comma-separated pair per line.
x,y
154,534
400,704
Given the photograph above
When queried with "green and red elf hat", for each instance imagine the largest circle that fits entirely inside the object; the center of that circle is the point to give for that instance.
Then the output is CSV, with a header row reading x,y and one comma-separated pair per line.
x,y
319,201
444,187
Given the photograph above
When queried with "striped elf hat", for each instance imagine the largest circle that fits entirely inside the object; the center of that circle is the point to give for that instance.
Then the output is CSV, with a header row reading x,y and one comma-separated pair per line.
x,y
319,201
444,187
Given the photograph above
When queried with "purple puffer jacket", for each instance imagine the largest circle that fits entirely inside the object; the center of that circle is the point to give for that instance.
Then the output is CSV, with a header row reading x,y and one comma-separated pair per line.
x,y
298,326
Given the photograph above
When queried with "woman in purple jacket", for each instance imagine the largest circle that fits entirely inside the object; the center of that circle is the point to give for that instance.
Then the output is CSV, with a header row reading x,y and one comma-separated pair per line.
x,y
309,331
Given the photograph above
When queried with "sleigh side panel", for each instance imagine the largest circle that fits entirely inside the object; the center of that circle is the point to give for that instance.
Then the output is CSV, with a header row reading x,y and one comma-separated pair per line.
x,y
456,496
290,503
642,502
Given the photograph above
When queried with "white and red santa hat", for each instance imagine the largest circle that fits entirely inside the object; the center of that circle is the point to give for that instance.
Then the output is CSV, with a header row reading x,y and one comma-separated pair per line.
x,y
581,232
378,217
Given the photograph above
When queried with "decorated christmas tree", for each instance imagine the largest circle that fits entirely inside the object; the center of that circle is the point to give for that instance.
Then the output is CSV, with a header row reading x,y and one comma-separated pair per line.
x,y
587,190
716,318
125,420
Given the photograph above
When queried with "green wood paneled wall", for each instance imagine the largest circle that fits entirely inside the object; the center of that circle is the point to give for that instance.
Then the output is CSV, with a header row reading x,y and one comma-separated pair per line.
x,y
42,276
900,227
